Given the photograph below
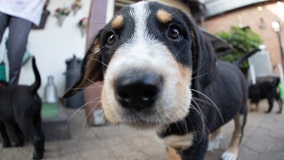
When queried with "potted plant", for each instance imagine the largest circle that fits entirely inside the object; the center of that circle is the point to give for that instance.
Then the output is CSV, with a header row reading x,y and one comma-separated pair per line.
x,y
243,40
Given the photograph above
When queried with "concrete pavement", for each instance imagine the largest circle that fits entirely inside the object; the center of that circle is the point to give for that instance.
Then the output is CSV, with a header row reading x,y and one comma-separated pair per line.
x,y
263,140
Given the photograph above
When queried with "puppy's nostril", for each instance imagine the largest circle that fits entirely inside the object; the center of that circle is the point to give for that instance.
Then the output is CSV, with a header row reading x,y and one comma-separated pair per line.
x,y
138,90
149,93
123,96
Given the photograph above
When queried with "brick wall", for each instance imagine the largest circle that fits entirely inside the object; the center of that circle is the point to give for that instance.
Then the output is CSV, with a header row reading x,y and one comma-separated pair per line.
x,y
251,16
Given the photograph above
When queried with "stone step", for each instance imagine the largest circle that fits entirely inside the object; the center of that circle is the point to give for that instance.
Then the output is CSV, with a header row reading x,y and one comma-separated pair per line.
x,y
56,128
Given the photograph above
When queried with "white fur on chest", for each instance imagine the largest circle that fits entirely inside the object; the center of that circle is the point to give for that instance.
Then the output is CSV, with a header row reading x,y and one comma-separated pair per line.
x,y
179,142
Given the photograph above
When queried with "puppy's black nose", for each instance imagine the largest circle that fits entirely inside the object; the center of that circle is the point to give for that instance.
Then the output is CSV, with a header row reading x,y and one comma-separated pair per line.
x,y
138,90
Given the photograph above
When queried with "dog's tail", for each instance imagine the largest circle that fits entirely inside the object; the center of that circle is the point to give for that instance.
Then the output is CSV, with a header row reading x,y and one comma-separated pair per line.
x,y
241,60
35,86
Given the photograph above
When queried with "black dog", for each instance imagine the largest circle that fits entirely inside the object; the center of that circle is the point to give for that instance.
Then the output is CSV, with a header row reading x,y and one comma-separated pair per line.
x,y
265,90
20,107
160,72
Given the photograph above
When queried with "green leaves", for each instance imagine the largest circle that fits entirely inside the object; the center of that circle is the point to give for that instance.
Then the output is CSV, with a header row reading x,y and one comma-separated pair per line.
x,y
242,39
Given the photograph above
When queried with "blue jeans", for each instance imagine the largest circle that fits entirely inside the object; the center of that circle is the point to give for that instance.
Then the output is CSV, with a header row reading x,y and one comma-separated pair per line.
x,y
19,30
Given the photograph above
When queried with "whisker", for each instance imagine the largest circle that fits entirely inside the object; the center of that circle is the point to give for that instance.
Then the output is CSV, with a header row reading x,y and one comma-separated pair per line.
x,y
199,76
184,123
101,62
78,109
91,112
93,83
203,118
211,101
178,52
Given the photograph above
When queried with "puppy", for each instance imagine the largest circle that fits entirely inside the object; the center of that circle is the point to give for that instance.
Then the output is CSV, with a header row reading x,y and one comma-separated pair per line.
x,y
20,107
265,90
160,73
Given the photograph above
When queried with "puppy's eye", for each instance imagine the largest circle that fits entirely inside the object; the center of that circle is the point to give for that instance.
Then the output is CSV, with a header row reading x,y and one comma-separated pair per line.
x,y
174,32
110,39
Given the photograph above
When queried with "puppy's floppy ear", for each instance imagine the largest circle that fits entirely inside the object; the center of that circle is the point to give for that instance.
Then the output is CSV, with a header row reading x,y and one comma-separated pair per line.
x,y
91,70
204,59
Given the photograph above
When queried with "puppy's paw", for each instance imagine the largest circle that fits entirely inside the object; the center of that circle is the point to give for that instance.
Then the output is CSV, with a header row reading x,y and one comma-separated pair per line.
x,y
214,144
228,156
211,146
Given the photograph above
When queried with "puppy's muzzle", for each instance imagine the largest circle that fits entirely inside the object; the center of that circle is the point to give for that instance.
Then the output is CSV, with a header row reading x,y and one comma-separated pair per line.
x,y
137,90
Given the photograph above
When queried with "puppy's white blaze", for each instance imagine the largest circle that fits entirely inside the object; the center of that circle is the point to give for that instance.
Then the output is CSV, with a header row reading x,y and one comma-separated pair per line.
x,y
140,13
144,53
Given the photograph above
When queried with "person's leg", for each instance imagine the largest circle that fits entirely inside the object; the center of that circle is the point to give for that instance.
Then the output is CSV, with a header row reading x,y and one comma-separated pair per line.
x,y
3,24
19,30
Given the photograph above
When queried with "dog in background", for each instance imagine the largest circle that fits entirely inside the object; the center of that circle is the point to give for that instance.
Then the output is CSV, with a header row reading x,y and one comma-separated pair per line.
x,y
161,73
265,90
20,107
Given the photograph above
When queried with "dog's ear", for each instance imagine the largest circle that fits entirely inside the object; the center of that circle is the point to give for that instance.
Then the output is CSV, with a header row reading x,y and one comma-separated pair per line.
x,y
204,59
91,70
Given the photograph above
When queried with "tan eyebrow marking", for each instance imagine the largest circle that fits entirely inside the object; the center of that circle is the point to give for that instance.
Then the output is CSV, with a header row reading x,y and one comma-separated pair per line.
x,y
164,16
117,22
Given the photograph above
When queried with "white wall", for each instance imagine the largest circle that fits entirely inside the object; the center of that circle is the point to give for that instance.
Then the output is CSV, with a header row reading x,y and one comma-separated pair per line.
x,y
53,45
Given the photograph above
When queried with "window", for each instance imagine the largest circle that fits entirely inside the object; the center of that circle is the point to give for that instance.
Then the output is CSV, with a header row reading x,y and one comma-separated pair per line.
x,y
121,3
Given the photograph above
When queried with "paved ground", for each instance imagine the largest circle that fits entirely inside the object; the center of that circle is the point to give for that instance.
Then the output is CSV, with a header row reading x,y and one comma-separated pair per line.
x,y
263,140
